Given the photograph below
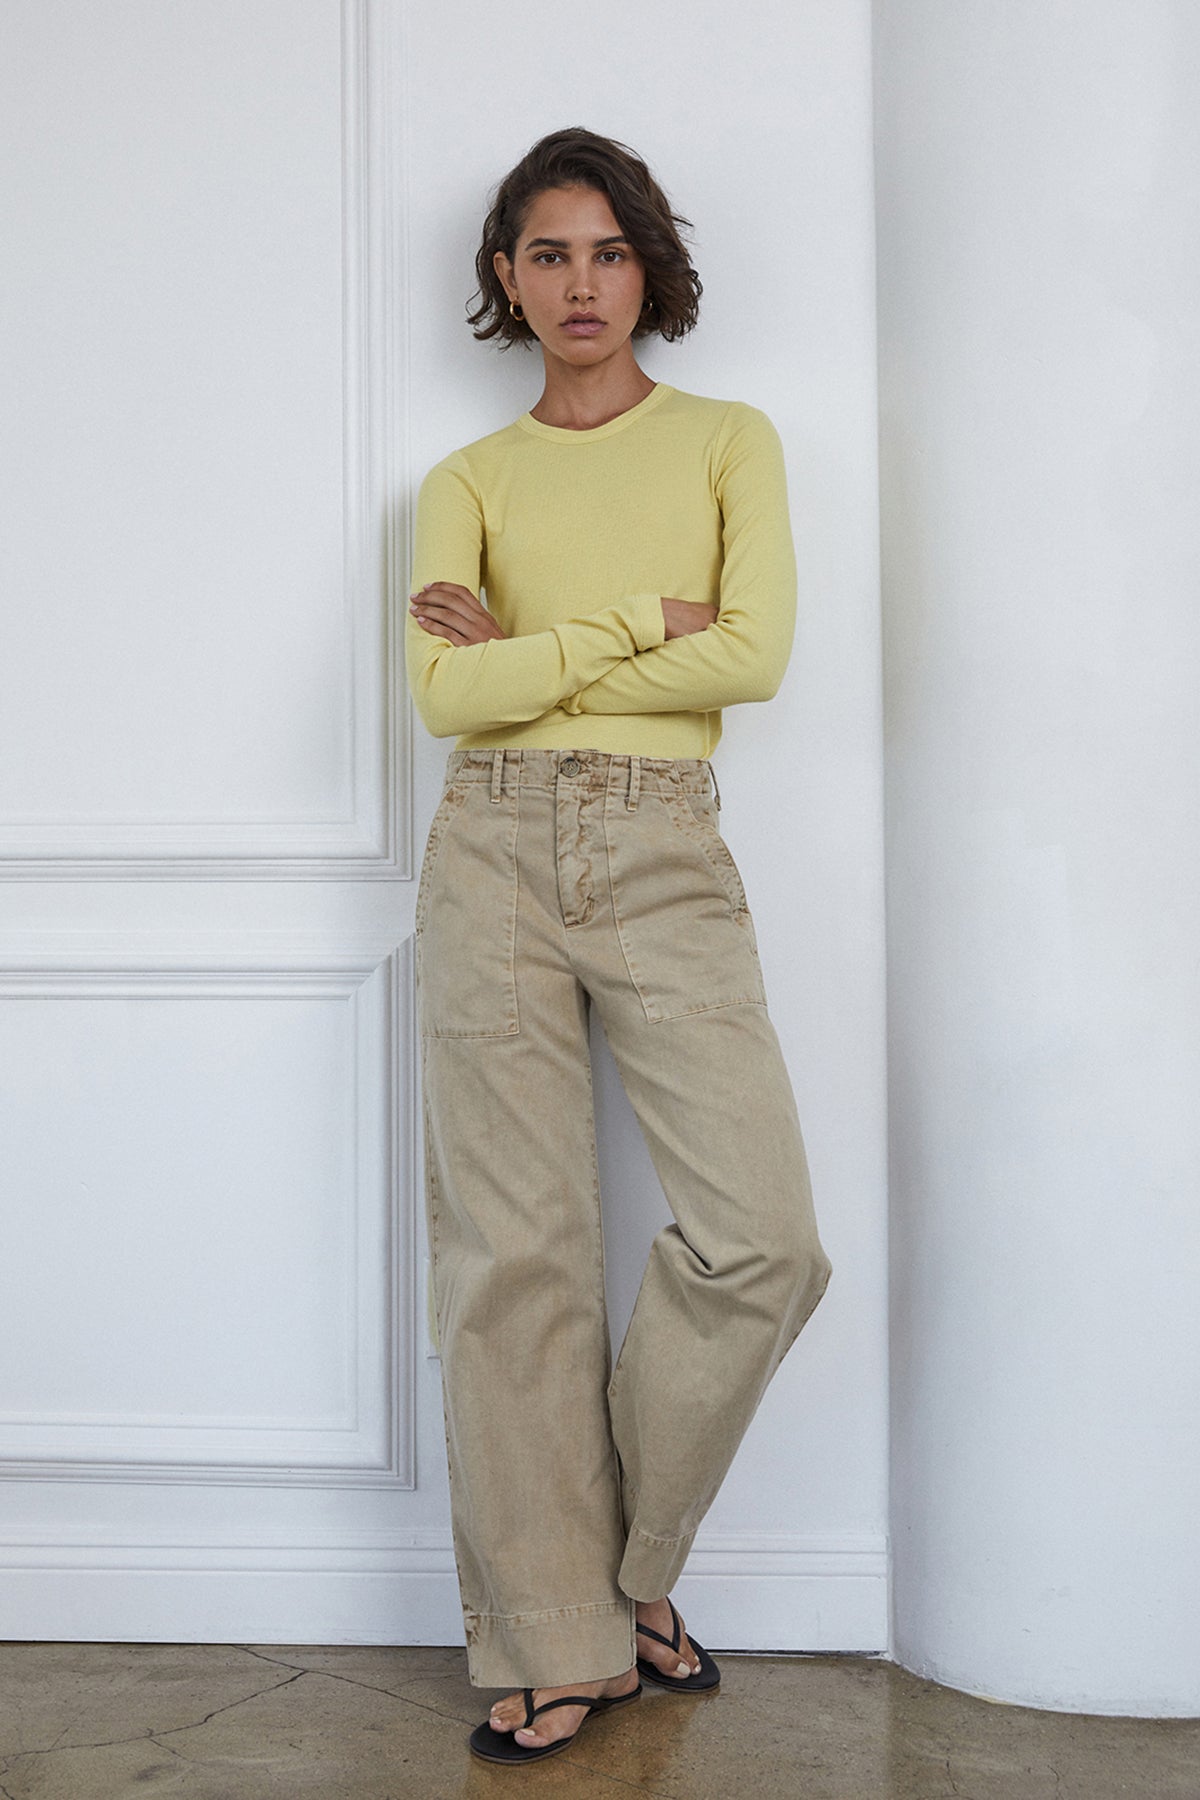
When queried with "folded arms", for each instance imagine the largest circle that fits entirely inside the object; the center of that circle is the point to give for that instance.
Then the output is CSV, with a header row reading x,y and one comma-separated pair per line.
x,y
616,660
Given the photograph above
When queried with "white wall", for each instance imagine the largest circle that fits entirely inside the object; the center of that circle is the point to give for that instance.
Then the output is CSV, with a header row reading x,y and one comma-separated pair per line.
x,y
762,137
1038,266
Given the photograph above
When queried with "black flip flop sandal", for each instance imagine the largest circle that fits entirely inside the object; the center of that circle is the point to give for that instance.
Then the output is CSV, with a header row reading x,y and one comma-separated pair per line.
x,y
501,1746
707,1676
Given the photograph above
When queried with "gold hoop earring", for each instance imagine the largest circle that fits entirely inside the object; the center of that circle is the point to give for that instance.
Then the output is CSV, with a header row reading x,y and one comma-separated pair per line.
x,y
647,305
516,309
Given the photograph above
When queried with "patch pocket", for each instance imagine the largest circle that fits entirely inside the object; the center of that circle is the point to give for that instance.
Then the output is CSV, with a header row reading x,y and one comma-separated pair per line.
x,y
681,914
466,917
703,809
697,814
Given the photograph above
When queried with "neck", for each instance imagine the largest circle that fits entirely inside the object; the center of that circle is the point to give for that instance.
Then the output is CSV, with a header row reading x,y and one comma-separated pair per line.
x,y
580,399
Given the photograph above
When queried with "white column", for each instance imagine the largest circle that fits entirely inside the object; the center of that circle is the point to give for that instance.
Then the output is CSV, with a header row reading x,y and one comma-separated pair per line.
x,y
1039,263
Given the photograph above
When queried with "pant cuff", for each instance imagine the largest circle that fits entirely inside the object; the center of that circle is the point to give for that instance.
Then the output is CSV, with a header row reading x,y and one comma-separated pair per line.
x,y
652,1565
550,1649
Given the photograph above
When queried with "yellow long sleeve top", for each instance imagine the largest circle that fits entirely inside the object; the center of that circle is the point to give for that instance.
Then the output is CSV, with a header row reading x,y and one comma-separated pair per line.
x,y
573,537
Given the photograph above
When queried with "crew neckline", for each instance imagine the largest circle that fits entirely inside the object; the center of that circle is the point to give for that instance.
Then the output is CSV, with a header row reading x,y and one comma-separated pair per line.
x,y
566,434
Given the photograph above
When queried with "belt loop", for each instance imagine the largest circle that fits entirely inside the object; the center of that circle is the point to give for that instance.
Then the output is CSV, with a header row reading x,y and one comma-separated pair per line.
x,y
635,783
497,773
716,789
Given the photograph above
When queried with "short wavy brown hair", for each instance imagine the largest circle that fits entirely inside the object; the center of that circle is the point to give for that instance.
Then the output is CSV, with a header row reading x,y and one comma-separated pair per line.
x,y
578,158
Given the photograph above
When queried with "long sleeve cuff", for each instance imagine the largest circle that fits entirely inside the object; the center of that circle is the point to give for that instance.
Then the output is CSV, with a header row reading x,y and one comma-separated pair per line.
x,y
649,627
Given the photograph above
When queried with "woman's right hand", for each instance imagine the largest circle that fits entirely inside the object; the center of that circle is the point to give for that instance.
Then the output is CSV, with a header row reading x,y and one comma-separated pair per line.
x,y
682,617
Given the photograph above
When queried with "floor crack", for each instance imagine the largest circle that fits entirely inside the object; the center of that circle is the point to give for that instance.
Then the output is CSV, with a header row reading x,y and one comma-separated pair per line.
x,y
271,1688
276,1661
960,1792
370,1686
142,1737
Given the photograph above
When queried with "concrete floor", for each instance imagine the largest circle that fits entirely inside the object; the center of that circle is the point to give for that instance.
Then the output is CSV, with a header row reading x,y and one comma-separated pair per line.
x,y
244,1722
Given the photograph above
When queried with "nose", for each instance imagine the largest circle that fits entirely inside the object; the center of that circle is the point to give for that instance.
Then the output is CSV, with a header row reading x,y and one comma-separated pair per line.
x,y
580,285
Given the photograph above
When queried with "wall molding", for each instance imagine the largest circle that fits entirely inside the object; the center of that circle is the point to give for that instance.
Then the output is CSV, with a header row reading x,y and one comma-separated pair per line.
x,y
374,840
375,1445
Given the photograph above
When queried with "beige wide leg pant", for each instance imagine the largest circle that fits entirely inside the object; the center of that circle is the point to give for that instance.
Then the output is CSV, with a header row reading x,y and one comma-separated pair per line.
x,y
553,881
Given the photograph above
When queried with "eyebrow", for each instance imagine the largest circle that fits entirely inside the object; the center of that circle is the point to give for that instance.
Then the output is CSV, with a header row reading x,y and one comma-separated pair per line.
x,y
562,244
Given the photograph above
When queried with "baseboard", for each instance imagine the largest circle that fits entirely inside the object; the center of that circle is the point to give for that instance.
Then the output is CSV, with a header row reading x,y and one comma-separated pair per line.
x,y
744,1591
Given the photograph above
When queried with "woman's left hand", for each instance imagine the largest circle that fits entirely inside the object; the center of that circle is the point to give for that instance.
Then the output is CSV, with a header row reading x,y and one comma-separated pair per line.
x,y
447,610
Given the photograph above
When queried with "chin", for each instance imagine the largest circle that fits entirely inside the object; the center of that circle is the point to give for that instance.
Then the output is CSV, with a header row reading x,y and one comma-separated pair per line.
x,y
591,350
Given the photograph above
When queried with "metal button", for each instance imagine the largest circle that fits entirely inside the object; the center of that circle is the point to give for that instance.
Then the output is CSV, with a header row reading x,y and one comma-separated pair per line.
x,y
570,765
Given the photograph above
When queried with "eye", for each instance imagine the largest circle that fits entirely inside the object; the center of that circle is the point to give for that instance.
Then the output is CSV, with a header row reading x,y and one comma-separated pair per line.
x,y
546,255
617,255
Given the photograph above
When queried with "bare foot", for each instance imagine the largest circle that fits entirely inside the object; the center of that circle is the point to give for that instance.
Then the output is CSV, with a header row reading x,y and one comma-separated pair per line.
x,y
564,1721
657,1614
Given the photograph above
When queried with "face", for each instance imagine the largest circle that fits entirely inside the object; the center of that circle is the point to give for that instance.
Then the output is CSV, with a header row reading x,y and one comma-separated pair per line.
x,y
578,280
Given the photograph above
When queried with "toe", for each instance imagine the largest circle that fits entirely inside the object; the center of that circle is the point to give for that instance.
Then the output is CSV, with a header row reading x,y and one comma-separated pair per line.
x,y
678,1663
506,1713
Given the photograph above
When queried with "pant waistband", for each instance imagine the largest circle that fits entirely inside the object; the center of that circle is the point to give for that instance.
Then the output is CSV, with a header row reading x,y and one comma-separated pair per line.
x,y
625,774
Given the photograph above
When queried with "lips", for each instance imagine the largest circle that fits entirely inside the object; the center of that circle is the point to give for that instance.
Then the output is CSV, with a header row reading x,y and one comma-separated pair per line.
x,y
582,325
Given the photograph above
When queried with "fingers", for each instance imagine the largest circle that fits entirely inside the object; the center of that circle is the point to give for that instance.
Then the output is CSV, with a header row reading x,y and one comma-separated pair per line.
x,y
445,631
439,627
448,590
446,609
446,600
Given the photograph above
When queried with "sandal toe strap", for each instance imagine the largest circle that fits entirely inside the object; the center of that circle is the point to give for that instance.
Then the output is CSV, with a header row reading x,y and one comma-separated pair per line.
x,y
588,1700
672,1642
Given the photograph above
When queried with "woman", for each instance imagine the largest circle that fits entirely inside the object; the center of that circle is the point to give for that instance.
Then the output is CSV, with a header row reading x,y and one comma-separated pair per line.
x,y
634,544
